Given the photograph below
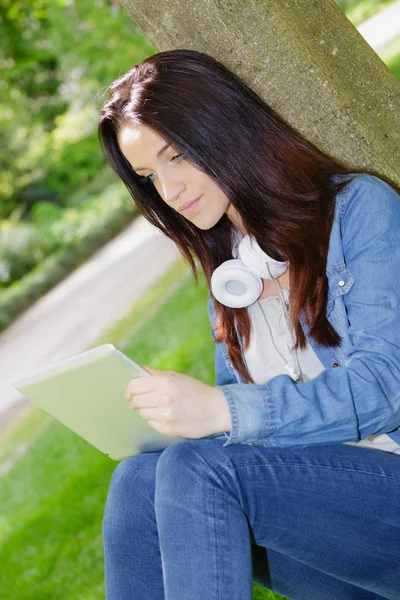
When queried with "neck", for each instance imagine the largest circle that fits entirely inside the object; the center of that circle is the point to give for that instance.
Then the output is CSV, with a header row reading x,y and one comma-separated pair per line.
x,y
236,219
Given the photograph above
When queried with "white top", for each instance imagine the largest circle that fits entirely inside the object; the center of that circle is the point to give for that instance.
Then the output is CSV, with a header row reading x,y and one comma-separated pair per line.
x,y
270,351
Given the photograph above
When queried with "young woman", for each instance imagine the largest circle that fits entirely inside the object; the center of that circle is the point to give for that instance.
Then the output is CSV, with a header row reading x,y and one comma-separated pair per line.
x,y
289,476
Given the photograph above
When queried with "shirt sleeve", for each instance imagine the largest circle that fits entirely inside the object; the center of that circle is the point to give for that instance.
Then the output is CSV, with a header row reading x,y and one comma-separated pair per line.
x,y
362,397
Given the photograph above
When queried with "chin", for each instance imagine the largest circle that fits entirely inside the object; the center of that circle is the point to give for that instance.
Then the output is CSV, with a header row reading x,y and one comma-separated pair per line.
x,y
205,222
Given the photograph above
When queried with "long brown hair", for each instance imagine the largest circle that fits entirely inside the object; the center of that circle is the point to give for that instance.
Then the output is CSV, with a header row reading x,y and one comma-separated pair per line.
x,y
280,184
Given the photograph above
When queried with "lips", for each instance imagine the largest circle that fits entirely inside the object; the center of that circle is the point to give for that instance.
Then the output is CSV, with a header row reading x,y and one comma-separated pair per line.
x,y
187,204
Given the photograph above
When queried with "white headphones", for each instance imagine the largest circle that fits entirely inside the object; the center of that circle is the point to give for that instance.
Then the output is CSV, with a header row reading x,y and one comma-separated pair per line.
x,y
237,283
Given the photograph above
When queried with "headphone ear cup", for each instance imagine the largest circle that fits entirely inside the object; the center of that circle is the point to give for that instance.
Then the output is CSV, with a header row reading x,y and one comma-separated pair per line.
x,y
234,285
258,261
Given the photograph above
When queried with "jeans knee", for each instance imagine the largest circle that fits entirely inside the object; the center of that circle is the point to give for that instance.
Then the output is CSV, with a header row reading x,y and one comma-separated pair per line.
x,y
130,499
186,466
174,461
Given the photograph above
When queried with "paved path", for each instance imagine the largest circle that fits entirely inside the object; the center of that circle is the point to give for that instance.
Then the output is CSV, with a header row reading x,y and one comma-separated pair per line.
x,y
72,316
383,28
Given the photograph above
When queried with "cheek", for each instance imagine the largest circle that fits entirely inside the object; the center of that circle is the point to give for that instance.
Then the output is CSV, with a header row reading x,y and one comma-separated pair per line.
x,y
221,201
217,193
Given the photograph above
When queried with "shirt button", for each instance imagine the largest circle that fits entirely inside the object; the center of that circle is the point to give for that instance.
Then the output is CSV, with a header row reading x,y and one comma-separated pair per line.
x,y
341,283
335,364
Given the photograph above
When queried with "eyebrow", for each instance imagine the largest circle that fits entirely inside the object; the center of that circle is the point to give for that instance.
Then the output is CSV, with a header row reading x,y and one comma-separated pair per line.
x,y
163,149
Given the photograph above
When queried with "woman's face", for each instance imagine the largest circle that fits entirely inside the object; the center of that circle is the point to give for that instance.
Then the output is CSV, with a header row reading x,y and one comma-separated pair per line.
x,y
176,179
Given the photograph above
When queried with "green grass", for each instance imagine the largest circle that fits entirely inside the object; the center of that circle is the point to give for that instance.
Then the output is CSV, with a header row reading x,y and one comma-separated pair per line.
x,y
54,484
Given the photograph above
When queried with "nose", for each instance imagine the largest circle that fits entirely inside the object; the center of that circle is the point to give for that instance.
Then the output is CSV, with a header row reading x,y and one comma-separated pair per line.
x,y
172,185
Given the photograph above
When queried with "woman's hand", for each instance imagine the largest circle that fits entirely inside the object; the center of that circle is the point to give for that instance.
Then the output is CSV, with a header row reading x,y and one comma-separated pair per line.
x,y
178,405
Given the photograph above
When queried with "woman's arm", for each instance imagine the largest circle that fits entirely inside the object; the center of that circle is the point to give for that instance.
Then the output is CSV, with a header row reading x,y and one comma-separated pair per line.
x,y
361,398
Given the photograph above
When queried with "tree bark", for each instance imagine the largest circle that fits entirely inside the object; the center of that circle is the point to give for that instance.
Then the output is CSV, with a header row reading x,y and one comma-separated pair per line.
x,y
304,58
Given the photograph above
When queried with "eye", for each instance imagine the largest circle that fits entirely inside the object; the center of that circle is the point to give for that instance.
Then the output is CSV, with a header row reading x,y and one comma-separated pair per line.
x,y
150,178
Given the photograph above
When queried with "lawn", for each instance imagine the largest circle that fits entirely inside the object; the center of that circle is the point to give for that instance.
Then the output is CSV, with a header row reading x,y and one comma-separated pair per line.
x,y
54,484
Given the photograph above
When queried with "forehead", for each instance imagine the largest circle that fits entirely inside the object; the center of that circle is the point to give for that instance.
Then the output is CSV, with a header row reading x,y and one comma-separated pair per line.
x,y
138,138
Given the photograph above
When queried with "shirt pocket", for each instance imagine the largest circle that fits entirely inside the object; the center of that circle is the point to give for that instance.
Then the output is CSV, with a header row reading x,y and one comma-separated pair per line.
x,y
340,282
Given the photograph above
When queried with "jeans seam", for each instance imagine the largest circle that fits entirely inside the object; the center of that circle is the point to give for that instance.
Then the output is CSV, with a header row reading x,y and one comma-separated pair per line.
x,y
218,539
296,466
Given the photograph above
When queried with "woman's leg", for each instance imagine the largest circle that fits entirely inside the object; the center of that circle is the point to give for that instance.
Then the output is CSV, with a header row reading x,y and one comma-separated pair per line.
x,y
131,549
293,579
132,555
333,508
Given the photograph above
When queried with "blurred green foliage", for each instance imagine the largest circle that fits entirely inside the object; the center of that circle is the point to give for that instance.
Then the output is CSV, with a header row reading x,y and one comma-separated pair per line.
x,y
21,248
391,57
55,57
358,11
57,194
72,238
23,245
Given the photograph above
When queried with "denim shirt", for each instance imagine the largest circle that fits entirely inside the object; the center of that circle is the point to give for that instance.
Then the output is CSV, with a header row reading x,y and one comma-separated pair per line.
x,y
358,393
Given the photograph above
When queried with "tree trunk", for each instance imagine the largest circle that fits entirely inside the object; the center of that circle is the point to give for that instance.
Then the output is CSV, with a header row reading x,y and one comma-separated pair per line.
x,y
304,58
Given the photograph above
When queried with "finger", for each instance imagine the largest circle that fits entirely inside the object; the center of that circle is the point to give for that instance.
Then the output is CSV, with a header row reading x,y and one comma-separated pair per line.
x,y
139,385
129,394
149,413
150,370
144,401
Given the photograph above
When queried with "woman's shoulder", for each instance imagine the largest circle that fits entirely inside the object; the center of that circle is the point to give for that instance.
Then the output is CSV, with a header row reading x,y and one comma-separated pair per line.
x,y
366,182
368,197
368,212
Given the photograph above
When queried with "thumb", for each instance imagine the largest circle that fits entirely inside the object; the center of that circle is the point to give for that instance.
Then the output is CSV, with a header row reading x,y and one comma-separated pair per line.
x,y
149,369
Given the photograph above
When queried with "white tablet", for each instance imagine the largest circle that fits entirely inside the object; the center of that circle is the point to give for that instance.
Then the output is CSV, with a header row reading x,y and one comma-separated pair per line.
x,y
87,394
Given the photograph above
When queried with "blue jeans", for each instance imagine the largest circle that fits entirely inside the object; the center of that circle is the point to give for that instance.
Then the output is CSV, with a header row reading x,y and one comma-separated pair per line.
x,y
202,522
